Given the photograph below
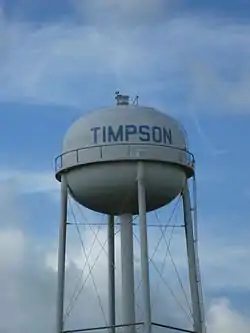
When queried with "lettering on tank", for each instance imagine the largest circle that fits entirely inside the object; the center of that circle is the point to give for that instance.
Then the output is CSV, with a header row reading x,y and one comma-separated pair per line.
x,y
129,133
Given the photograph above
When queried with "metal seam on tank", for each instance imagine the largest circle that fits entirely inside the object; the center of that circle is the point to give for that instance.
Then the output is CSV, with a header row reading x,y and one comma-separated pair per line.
x,y
145,148
188,169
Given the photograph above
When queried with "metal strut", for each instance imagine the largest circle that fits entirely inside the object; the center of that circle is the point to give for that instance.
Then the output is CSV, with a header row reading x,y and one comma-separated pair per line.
x,y
196,254
61,256
144,247
192,262
127,266
111,272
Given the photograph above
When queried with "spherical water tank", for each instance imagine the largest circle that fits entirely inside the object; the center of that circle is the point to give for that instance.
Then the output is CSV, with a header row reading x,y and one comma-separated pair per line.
x,y
101,151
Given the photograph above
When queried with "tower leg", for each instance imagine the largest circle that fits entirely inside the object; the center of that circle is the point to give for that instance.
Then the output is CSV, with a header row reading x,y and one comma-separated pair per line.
x,y
111,272
192,263
144,248
127,261
61,256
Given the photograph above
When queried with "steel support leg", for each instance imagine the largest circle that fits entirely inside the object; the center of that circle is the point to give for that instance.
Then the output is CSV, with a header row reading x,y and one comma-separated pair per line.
x,y
127,261
61,256
144,248
111,272
192,264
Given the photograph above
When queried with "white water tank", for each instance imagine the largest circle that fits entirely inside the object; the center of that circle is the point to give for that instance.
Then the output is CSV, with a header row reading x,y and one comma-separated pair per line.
x,y
101,151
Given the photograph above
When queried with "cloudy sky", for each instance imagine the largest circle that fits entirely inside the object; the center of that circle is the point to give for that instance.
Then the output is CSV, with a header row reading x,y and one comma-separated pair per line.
x,y
62,58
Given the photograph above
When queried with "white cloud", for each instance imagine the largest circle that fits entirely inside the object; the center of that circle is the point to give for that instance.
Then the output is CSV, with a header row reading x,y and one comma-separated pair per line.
x,y
111,11
27,288
14,241
222,254
28,182
28,267
50,64
30,289
213,87
28,281
221,261
10,207
222,318
214,243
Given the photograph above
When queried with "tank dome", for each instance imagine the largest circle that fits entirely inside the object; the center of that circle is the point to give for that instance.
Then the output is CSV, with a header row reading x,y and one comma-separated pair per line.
x,y
101,151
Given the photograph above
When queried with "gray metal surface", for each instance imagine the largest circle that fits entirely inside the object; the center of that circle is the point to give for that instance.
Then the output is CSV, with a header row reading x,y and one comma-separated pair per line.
x,y
100,154
124,124
192,264
111,188
111,272
127,263
61,257
144,248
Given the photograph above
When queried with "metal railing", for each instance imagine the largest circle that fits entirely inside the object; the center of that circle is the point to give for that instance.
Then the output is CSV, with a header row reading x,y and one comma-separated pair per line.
x,y
190,161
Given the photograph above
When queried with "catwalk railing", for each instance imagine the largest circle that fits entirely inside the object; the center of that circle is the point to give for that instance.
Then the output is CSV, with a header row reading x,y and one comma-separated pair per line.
x,y
187,158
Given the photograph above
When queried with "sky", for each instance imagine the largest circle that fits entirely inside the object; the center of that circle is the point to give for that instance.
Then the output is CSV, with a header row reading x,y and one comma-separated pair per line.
x,y
60,59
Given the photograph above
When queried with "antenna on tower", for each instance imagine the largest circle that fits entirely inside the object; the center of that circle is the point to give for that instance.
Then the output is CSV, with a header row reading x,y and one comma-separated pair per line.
x,y
136,100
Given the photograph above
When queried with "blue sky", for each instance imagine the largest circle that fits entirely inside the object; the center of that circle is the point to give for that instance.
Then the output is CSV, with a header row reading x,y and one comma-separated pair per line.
x,y
64,58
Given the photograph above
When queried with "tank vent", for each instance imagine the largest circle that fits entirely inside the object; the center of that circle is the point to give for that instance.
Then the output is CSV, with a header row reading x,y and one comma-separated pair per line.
x,y
121,99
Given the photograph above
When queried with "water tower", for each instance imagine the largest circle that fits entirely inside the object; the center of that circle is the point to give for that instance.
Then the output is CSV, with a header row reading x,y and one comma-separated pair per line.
x,y
108,154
